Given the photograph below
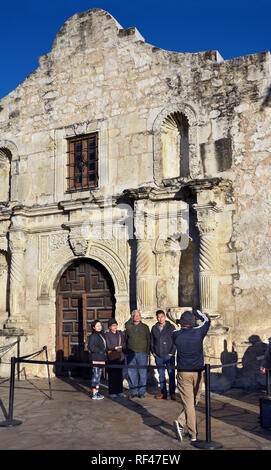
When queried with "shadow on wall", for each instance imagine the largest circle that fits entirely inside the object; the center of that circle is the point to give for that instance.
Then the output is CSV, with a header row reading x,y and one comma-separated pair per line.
x,y
248,375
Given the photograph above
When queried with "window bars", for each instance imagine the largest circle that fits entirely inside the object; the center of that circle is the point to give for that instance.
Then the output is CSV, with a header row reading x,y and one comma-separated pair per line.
x,y
82,162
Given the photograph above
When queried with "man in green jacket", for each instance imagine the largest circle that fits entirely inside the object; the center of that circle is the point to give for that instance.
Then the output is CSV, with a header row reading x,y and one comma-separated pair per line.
x,y
137,349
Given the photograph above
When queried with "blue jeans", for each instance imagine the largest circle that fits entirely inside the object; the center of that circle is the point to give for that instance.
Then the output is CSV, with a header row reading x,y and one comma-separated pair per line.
x,y
96,377
166,361
137,378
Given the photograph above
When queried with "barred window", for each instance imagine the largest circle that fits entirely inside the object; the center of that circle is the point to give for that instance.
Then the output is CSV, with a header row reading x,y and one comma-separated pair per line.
x,y
83,162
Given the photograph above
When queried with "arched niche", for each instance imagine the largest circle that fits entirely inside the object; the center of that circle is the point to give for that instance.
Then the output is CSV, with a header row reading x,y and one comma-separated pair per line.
x,y
5,163
175,143
8,166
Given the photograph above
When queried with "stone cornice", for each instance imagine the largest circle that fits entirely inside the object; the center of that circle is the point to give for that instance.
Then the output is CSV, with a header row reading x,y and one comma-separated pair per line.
x,y
151,193
101,202
172,188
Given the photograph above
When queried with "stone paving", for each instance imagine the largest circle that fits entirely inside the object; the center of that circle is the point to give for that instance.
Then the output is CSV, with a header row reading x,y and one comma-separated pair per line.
x,y
72,421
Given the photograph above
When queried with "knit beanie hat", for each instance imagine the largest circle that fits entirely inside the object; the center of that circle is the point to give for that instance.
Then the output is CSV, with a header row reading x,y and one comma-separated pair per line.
x,y
187,319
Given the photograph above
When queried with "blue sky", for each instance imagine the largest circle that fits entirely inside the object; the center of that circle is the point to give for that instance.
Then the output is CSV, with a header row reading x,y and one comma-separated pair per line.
x,y
234,28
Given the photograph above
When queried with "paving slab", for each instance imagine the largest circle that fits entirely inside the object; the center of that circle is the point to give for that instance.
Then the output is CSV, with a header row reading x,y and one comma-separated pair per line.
x,y
71,420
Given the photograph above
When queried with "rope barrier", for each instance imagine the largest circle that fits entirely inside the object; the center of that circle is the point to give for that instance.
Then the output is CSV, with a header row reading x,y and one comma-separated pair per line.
x,y
120,366
33,354
4,349
7,347
207,444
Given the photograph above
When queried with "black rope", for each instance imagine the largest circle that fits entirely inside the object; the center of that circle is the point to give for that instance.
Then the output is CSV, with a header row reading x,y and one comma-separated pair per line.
x,y
120,366
6,348
31,355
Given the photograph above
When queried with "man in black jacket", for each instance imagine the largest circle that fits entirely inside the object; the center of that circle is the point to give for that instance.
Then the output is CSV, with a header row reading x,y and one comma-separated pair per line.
x,y
163,349
190,365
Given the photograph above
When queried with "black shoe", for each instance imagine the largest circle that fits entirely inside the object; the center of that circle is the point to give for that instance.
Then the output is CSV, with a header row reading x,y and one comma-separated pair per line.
x,y
141,396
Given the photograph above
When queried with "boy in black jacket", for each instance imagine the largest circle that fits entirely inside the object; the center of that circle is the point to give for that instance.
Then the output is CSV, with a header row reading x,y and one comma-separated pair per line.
x,y
163,349
190,365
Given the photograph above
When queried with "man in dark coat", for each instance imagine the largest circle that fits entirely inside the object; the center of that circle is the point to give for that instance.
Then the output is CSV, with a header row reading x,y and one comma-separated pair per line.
x,y
190,365
163,349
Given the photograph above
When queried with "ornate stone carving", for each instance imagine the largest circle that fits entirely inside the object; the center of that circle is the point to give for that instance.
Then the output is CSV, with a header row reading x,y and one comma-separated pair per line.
x,y
79,246
57,240
144,257
78,243
110,262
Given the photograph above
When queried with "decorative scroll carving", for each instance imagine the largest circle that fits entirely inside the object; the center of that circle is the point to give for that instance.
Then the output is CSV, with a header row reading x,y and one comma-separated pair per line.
x,y
208,253
144,257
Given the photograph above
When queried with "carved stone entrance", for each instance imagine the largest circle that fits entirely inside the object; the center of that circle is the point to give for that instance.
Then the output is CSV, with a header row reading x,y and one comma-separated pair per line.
x,y
85,293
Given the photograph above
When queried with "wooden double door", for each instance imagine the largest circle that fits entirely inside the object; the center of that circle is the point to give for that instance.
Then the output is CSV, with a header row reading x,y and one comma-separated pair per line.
x,y
85,293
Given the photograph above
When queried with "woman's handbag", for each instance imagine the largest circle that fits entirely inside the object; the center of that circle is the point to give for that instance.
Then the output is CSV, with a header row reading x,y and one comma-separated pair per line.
x,y
114,354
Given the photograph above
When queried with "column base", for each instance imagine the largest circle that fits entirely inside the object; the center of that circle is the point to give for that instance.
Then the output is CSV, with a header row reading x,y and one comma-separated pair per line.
x,y
15,326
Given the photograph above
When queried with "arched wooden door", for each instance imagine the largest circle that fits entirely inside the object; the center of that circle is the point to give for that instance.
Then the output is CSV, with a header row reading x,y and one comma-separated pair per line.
x,y
85,293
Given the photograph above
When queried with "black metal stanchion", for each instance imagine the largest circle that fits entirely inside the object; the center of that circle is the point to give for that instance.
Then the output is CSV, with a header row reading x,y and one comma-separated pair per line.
x,y
10,421
208,443
18,356
48,371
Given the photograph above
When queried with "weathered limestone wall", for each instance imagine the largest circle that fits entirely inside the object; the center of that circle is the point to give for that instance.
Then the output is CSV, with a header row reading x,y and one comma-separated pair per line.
x,y
100,77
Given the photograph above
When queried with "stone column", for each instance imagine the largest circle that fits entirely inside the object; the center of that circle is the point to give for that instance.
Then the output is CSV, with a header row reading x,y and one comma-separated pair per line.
x,y
144,260
17,246
208,260
144,276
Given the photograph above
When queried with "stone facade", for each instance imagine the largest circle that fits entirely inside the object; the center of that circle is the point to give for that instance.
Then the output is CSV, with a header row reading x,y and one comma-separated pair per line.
x,y
181,213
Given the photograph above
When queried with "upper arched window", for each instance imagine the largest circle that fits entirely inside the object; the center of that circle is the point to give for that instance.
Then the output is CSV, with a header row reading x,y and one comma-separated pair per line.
x,y
175,145
5,159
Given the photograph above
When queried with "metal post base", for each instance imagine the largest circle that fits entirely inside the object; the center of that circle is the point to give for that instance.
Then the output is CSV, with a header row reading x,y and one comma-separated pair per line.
x,y
7,424
207,445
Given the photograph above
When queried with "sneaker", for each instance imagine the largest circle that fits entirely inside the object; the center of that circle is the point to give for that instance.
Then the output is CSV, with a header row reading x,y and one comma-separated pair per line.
x,y
121,395
161,397
178,430
97,396
173,397
113,395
